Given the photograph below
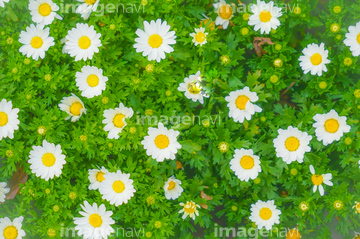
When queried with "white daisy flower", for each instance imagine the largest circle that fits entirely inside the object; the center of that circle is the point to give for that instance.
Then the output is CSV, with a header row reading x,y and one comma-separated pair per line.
x,y
91,81
96,176
43,11
199,37
8,119
240,104
95,222
155,40
11,229
291,144
317,180
82,42
225,13
330,127
192,88
73,106
245,164
172,188
115,120
46,161
117,188
189,209
265,214
314,59
352,39
3,191
2,3
87,7
265,16
36,41
161,143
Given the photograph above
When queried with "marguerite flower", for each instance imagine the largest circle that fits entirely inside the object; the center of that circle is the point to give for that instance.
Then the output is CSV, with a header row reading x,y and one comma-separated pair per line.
x,y
291,144
265,214
91,81
245,164
8,119
317,180
161,143
3,191
87,7
36,41
96,176
46,161
43,11
199,37
82,42
225,13
73,106
11,229
117,188
189,209
2,3
95,222
172,188
265,16
330,127
240,104
155,40
314,59
352,39
115,120
193,88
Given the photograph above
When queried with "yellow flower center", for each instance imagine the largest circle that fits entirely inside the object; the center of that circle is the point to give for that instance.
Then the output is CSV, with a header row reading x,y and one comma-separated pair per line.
x,y
75,108
45,9
265,213
171,185
316,59
118,186
241,102
3,118
162,141
100,176
194,88
226,12
48,159
265,16
190,207
317,179
10,232
247,162
92,80
95,220
90,2
358,38
293,234
84,42
331,125
119,120
36,42
155,41
200,37
292,143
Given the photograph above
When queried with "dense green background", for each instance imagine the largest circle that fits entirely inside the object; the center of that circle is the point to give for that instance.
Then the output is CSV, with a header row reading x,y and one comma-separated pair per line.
x,y
36,88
